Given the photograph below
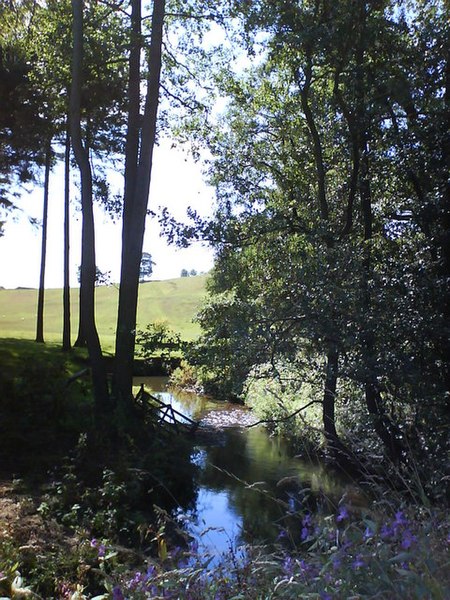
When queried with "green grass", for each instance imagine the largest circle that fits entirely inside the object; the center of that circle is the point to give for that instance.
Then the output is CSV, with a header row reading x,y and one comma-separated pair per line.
x,y
175,301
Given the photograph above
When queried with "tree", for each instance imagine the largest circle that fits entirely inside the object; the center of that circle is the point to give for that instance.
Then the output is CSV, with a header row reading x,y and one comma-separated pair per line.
x,y
101,277
23,120
40,306
141,135
66,340
146,268
88,270
315,163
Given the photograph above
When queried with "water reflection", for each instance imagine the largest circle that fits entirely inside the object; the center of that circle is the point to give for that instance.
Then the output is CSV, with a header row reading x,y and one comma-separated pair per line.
x,y
238,499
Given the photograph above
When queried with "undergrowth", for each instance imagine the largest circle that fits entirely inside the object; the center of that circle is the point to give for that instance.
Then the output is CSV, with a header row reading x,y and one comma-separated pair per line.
x,y
384,552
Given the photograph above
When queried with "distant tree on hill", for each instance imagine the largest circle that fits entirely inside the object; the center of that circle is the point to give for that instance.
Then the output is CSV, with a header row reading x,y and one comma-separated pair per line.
x,y
186,273
101,277
146,269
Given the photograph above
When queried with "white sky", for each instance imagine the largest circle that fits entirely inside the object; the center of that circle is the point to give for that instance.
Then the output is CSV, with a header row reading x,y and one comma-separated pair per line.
x,y
177,183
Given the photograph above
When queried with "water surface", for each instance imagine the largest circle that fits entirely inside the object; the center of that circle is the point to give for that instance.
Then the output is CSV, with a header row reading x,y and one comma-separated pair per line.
x,y
239,497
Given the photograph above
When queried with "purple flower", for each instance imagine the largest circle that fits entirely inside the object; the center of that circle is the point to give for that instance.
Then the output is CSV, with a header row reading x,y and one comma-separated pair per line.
x,y
304,565
288,566
400,518
386,532
282,534
306,525
358,562
93,543
117,594
102,550
399,522
175,552
325,596
342,514
408,539
304,534
136,580
336,562
368,534
151,572
307,520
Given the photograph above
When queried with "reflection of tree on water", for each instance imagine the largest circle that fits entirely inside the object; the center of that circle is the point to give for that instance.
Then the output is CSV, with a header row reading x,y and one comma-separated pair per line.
x,y
237,470
248,465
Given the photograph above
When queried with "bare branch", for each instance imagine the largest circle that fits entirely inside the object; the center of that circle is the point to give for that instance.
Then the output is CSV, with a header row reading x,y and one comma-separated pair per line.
x,y
282,419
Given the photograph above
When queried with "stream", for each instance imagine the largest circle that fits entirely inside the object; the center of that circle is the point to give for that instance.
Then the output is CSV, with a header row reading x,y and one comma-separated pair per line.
x,y
240,495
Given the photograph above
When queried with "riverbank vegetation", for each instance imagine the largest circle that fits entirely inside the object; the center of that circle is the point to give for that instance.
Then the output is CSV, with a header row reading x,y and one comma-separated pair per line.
x,y
326,131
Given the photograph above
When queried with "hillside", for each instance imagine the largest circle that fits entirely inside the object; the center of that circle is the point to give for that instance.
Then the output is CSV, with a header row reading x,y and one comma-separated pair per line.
x,y
175,301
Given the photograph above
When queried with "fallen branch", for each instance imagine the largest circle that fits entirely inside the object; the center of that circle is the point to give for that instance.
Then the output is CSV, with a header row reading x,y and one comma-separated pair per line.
x,y
288,416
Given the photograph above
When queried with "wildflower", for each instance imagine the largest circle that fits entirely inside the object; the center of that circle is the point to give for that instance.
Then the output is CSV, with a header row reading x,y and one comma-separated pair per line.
x,y
325,596
101,550
342,514
117,593
336,561
288,566
282,534
386,532
399,522
408,539
175,552
358,562
304,565
400,519
306,524
93,543
368,534
136,580
151,572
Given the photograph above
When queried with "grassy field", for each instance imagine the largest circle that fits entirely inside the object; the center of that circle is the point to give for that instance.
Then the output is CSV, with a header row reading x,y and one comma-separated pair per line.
x,y
175,301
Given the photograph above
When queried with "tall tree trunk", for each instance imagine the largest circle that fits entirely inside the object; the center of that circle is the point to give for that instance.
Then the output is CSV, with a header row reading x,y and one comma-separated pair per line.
x,y
444,237
137,184
87,294
328,417
384,427
66,342
41,293
335,445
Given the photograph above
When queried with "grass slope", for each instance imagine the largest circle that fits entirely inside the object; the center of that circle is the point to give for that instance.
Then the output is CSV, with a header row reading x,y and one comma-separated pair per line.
x,y
175,301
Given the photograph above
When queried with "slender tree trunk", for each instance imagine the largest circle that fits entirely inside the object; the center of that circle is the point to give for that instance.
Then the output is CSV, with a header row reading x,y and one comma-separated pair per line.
x,y
335,445
329,424
353,130
317,145
384,427
137,184
87,295
444,238
66,343
40,306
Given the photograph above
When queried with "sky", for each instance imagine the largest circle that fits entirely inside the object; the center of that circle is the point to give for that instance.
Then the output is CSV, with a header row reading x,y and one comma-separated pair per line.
x,y
177,183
